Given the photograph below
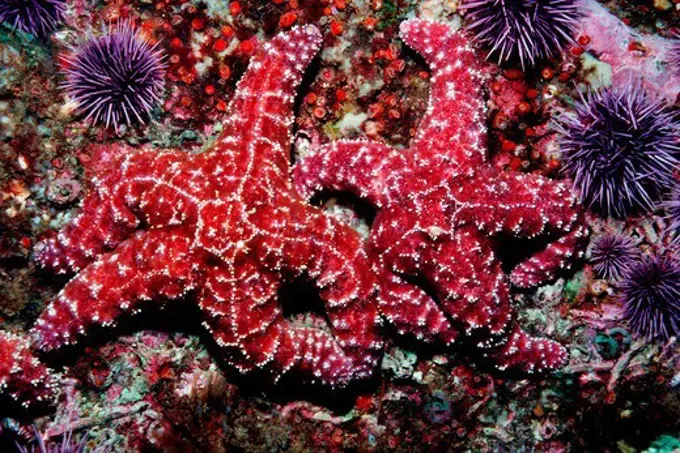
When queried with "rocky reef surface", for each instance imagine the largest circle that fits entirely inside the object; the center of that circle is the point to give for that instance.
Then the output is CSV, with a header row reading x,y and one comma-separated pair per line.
x,y
453,233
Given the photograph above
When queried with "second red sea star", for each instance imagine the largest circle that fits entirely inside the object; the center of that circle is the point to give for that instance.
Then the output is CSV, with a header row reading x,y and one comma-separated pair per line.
x,y
440,205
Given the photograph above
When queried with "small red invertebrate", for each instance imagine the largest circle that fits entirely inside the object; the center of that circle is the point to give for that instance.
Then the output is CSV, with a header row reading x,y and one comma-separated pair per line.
x,y
287,20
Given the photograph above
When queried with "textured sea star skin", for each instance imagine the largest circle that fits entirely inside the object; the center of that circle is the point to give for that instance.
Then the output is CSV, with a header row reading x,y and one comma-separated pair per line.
x,y
227,226
22,376
440,207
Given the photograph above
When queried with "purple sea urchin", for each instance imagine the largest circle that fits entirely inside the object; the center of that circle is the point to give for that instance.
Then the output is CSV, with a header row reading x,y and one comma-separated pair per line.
x,y
37,17
620,147
522,30
651,297
116,78
612,256
672,206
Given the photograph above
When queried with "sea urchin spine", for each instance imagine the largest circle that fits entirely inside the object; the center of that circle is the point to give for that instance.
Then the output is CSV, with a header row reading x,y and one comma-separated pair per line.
x,y
672,206
116,78
37,17
612,256
620,146
522,30
673,55
651,297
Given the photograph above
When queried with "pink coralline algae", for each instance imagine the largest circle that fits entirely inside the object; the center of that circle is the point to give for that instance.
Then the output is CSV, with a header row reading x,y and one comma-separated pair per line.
x,y
224,228
441,205
610,41
22,376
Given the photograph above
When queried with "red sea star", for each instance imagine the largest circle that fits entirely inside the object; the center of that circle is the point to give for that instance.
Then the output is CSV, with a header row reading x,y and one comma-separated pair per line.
x,y
440,206
228,227
21,375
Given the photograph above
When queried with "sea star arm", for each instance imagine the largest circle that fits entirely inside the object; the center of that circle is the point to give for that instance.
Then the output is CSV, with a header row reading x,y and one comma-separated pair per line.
x,y
276,345
104,221
22,376
335,261
471,290
252,328
529,354
467,289
411,310
296,241
137,191
528,206
273,74
261,114
150,264
452,132
558,255
453,127
246,320
358,167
